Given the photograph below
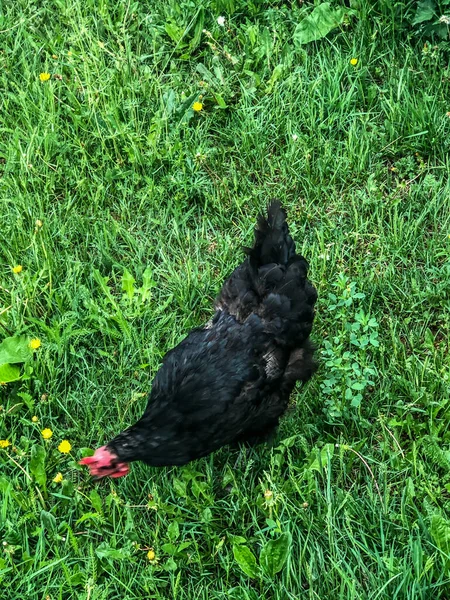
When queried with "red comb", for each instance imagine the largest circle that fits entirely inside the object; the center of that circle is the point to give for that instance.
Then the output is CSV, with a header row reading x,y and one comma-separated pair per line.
x,y
87,460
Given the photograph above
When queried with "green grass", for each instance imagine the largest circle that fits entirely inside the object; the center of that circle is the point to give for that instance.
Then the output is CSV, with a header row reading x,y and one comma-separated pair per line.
x,y
124,176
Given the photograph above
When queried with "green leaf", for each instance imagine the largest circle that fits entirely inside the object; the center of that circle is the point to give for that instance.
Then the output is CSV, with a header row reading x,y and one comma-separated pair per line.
x,y
128,284
356,401
173,531
147,284
15,349
277,73
274,554
319,23
175,32
9,373
105,551
37,465
246,560
27,398
96,500
48,521
237,540
425,12
184,111
319,459
169,549
88,516
179,487
358,386
67,488
220,101
198,28
103,283
440,532
171,565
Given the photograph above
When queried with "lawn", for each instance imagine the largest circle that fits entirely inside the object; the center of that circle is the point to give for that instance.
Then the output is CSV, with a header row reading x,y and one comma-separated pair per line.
x,y
126,210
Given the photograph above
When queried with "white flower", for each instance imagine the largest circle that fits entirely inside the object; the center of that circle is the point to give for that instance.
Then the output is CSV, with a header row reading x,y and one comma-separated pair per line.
x,y
445,19
294,137
221,21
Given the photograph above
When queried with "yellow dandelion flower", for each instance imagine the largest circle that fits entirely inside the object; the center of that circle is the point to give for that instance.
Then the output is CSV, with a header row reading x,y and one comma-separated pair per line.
x,y
4,443
35,343
353,62
47,433
58,478
35,419
65,447
44,76
151,554
197,106
38,223
17,269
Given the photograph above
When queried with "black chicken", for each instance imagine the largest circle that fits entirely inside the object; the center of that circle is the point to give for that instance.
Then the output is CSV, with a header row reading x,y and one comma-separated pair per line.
x,y
230,380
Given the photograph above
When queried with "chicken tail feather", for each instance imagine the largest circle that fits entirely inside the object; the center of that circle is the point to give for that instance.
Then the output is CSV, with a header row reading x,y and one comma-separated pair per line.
x,y
273,242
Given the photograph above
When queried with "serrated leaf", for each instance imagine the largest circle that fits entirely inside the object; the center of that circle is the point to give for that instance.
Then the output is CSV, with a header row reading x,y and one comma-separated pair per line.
x,y
147,284
274,554
319,23
128,284
173,531
9,373
15,350
105,551
27,398
319,459
174,31
277,73
48,521
90,515
246,560
96,500
440,532
179,487
37,465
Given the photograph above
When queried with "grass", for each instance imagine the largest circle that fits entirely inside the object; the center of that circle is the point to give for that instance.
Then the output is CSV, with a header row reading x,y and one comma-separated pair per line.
x,y
124,176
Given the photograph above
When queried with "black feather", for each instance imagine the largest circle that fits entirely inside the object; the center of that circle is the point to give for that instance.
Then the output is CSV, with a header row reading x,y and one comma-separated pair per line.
x,y
231,379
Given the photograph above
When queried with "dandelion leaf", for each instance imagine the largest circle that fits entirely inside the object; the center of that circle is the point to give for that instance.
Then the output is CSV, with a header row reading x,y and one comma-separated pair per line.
x,y
37,465
9,373
15,350
319,23
425,12
246,560
274,554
